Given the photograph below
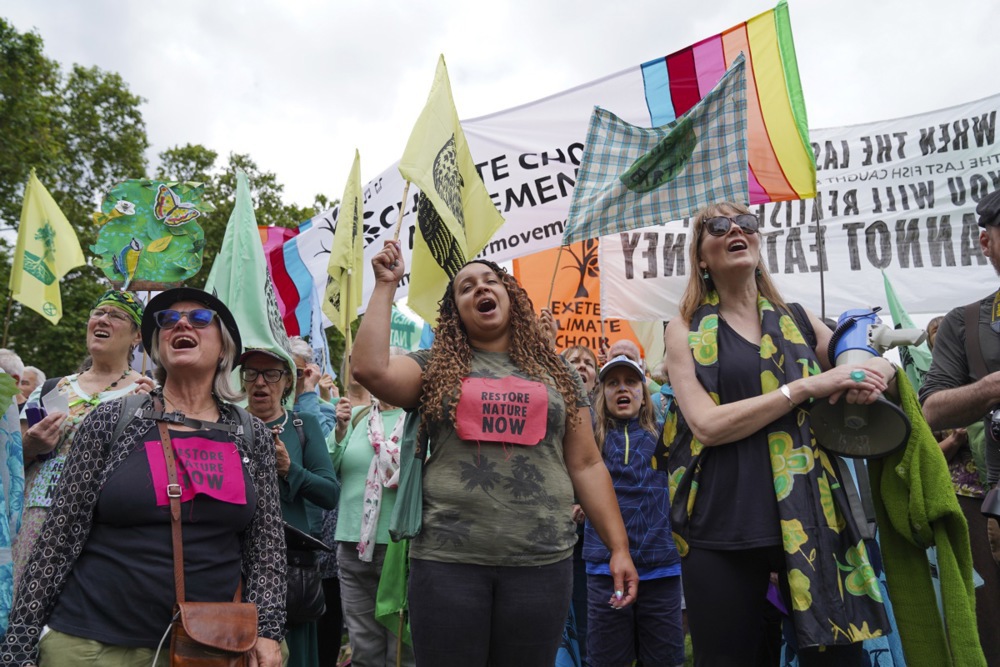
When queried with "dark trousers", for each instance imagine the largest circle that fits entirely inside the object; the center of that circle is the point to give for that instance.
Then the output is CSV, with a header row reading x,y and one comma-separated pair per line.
x,y
987,595
580,596
650,630
330,628
477,615
726,594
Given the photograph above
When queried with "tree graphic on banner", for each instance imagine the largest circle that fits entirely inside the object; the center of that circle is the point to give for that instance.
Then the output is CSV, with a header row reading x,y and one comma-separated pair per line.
x,y
586,265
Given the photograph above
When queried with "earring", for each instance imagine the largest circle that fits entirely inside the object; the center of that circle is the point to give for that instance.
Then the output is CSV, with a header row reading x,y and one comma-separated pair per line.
x,y
708,279
758,272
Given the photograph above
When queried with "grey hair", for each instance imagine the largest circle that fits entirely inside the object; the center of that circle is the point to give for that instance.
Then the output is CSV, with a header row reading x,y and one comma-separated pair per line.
x,y
222,386
11,362
39,375
298,347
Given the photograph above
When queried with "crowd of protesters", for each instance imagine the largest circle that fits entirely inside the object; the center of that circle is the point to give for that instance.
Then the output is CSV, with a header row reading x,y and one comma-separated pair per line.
x,y
633,502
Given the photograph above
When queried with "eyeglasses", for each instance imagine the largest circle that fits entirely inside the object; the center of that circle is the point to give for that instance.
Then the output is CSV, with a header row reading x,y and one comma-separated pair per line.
x,y
199,318
110,313
271,375
719,225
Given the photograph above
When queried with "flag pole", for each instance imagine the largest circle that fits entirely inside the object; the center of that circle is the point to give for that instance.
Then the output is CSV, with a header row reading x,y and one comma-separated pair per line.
x,y
6,319
348,343
600,350
402,205
145,352
552,285
399,641
821,244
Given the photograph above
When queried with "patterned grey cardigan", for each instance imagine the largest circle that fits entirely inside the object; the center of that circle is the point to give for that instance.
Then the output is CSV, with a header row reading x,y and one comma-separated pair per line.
x,y
70,518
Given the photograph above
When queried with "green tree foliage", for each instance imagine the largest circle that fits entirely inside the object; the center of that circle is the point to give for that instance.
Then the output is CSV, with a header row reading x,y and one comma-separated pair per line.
x,y
82,130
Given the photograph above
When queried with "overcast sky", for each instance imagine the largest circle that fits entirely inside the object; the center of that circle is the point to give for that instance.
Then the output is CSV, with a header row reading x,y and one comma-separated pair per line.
x,y
300,84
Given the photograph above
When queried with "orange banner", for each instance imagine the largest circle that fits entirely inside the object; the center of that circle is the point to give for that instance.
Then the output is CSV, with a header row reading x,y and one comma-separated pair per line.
x,y
576,295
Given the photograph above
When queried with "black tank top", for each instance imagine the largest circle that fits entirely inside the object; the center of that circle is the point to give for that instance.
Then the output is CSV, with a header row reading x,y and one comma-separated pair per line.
x,y
736,507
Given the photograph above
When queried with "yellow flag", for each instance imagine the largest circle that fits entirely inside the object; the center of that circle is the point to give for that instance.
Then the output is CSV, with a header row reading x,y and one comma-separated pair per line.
x,y
343,283
455,216
47,248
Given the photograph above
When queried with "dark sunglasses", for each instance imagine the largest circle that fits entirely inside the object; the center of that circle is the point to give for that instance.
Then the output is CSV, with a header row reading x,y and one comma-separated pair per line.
x,y
719,225
271,375
199,318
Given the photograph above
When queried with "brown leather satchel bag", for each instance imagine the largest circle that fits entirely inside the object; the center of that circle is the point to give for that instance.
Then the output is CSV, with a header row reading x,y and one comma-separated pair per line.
x,y
204,634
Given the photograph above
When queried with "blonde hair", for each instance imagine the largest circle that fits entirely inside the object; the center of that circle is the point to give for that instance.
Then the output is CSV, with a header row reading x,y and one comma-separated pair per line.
x,y
604,422
698,288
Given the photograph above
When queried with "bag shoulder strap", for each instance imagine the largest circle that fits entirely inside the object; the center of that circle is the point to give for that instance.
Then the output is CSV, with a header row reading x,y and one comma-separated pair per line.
x,y
361,415
973,350
299,431
174,494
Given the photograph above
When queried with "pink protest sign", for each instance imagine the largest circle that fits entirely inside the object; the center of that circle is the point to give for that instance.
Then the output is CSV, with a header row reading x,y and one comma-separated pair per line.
x,y
203,466
509,409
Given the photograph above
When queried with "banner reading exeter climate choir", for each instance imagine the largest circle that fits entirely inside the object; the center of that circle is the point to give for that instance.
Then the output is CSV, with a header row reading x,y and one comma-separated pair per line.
x,y
898,195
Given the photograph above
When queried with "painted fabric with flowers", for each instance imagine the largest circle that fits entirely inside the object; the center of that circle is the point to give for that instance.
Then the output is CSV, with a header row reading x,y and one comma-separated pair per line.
x,y
11,491
835,594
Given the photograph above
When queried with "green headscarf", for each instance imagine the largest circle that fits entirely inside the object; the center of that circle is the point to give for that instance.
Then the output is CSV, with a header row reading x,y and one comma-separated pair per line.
x,y
126,301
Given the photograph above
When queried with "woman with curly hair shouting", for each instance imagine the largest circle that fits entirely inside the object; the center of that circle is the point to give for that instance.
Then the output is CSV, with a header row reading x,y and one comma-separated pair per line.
x,y
510,439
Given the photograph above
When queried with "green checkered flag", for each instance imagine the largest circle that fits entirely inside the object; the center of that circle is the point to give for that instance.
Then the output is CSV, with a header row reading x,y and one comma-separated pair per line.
x,y
633,177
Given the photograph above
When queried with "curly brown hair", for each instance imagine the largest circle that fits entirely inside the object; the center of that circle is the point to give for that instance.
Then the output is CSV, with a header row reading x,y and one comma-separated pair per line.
x,y
530,350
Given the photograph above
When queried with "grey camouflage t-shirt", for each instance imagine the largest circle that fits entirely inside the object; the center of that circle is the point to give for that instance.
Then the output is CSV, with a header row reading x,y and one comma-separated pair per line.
x,y
487,499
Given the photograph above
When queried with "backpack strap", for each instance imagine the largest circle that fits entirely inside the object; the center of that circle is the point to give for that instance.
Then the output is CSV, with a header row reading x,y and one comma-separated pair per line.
x,y
245,428
49,385
973,350
132,407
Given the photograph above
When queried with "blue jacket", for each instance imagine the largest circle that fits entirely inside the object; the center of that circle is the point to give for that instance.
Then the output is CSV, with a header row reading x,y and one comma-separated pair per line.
x,y
643,496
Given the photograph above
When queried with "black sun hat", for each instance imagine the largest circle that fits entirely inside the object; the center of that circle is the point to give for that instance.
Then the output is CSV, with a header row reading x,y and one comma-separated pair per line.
x,y
167,298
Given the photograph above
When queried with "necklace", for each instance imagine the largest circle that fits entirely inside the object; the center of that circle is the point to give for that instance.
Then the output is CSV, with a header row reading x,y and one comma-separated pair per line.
x,y
96,398
278,429
119,379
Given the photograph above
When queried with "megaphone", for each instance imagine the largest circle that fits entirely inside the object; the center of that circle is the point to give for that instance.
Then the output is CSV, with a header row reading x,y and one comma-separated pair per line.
x,y
862,431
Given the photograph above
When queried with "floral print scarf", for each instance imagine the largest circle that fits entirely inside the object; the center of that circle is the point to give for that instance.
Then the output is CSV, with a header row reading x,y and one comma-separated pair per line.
x,y
835,593
382,473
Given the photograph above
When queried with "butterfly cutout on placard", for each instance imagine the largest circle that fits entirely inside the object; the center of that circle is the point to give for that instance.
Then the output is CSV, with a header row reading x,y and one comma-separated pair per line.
x,y
171,210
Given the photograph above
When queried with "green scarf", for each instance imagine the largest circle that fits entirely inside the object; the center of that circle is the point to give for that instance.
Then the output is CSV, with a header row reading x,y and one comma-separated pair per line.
x,y
916,508
835,593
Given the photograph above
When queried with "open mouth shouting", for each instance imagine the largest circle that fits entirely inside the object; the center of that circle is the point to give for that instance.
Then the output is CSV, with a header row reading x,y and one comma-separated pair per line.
x,y
737,244
486,305
102,333
183,342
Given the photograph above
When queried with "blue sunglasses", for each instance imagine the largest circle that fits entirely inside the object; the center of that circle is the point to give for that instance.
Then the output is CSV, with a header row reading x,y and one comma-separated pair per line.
x,y
199,318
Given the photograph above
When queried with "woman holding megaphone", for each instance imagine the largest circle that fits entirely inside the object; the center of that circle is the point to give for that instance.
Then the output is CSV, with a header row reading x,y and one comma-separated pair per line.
x,y
751,492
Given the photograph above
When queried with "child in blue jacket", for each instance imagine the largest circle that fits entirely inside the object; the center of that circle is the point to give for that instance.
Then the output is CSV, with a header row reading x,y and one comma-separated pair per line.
x,y
651,629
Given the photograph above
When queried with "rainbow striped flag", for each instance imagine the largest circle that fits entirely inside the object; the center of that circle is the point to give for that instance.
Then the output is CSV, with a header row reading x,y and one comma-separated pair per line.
x,y
781,158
